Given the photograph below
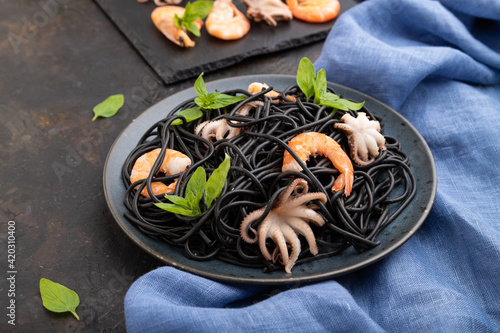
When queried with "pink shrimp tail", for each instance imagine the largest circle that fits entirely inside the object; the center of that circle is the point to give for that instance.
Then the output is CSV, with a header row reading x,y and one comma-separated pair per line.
x,y
344,181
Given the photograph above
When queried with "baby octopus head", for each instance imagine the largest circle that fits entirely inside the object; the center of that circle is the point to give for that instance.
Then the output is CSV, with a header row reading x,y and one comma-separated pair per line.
x,y
289,217
364,137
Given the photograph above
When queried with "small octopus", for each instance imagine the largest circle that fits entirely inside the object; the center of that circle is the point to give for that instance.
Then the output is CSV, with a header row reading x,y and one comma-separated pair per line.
x,y
215,130
364,137
289,217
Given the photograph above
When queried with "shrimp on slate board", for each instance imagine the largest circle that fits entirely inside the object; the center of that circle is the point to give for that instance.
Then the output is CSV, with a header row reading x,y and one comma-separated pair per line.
x,y
314,11
163,18
226,22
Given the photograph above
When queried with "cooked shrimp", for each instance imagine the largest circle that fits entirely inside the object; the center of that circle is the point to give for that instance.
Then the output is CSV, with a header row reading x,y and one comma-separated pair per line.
x,y
173,163
226,22
312,143
163,18
257,87
314,11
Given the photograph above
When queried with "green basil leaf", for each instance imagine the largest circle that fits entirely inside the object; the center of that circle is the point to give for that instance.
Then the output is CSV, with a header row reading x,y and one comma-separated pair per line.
x,y
109,107
190,115
178,21
176,209
212,97
195,188
58,298
224,100
317,95
354,106
334,101
197,10
215,183
179,201
193,28
200,88
321,83
187,12
331,96
213,100
201,101
306,75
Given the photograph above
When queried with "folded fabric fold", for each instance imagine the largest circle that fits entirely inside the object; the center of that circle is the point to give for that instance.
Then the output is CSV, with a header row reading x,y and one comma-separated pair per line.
x,y
438,64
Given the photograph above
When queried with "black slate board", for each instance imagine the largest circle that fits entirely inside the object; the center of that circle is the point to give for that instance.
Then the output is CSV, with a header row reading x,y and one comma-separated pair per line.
x,y
173,63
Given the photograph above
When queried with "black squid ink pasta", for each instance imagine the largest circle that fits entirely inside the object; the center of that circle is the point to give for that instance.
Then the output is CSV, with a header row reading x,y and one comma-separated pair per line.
x,y
381,190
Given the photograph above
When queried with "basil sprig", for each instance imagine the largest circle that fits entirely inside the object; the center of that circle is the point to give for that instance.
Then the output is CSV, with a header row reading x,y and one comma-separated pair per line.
x,y
109,107
313,84
195,188
206,101
193,11
58,298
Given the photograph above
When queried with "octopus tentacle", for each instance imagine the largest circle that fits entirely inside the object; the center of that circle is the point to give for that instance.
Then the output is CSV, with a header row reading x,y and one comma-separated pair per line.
x,y
308,214
362,149
293,240
246,225
276,234
264,228
301,227
371,144
302,199
285,195
215,130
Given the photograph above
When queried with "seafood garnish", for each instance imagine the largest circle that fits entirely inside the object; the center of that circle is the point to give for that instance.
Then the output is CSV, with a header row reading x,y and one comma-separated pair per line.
x,y
312,143
314,11
289,217
364,137
220,129
257,87
164,20
226,22
268,10
173,163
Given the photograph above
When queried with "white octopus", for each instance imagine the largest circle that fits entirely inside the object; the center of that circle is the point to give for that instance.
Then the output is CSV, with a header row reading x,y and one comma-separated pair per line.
x,y
364,137
289,217
220,129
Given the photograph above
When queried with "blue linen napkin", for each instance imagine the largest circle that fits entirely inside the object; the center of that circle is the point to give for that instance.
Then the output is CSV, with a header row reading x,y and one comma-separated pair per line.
x,y
438,64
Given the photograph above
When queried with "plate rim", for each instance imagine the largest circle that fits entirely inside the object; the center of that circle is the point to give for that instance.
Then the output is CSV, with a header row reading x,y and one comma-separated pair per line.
x,y
128,230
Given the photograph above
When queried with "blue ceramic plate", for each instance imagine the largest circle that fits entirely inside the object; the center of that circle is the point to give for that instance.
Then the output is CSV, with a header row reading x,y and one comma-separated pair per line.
x,y
391,238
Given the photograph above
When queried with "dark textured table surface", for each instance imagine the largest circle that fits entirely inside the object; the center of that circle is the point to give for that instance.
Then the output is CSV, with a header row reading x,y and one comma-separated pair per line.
x,y
58,59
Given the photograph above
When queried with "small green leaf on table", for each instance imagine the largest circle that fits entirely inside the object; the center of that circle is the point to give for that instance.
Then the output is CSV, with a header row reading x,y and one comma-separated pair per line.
x,y
58,298
109,107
